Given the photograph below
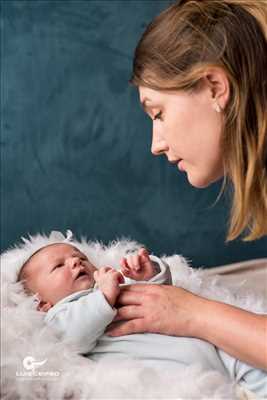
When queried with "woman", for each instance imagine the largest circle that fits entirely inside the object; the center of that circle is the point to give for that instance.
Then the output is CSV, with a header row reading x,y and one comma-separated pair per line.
x,y
200,68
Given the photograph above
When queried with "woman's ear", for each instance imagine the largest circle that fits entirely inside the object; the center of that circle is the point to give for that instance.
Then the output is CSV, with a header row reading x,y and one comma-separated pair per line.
x,y
219,86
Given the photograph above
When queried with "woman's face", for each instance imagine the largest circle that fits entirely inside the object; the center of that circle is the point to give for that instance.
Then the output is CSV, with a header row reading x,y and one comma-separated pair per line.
x,y
187,127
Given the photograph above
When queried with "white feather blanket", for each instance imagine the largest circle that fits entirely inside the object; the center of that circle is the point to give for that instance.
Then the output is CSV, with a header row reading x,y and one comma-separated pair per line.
x,y
66,375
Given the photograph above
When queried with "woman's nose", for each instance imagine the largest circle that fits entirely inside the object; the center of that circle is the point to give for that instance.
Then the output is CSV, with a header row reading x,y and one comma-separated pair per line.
x,y
158,145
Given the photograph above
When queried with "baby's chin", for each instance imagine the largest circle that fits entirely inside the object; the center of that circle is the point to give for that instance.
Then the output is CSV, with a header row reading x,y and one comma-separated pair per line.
x,y
83,283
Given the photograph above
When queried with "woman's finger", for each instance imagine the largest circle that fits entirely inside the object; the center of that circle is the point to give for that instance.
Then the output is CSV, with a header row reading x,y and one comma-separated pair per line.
x,y
129,298
128,312
142,287
126,328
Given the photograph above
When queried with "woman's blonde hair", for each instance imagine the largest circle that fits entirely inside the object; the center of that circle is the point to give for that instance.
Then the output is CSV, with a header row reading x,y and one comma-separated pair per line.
x,y
173,54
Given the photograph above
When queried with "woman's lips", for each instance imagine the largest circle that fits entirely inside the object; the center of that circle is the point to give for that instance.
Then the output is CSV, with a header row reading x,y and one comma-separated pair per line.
x,y
178,162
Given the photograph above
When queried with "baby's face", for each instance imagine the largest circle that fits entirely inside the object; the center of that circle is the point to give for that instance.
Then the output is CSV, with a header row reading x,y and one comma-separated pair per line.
x,y
57,271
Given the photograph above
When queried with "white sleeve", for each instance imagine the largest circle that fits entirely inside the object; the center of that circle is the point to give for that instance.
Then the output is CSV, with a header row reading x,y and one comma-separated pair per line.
x,y
83,321
163,275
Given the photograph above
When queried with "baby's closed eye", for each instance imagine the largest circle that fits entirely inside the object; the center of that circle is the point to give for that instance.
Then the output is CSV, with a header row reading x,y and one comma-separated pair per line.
x,y
57,266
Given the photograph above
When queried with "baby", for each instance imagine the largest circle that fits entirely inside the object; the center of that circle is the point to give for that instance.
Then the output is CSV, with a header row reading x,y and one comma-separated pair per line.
x,y
59,270
79,301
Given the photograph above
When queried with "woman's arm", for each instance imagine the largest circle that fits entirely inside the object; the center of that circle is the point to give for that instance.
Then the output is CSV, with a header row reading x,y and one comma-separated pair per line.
x,y
175,311
239,333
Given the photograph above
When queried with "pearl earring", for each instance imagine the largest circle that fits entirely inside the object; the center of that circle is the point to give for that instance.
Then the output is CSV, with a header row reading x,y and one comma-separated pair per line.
x,y
217,107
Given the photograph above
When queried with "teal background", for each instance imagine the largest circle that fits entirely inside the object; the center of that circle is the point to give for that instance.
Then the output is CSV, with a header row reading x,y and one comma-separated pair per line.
x,y
75,144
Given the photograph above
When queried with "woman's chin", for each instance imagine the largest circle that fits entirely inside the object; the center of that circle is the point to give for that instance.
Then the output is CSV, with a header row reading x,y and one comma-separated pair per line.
x,y
200,182
202,178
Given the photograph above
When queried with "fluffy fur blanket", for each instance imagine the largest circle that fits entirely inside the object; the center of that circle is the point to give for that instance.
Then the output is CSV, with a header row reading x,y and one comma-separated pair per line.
x,y
67,375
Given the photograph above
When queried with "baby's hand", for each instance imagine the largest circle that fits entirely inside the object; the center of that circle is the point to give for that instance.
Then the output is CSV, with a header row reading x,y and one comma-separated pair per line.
x,y
108,280
138,267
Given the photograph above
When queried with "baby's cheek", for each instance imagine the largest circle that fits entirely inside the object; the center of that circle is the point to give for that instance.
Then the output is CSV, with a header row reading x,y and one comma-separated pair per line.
x,y
67,280
60,284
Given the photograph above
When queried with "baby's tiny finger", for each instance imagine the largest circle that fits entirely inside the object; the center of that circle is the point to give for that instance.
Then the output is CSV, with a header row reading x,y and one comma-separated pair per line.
x,y
123,262
104,269
130,263
121,278
125,265
113,271
143,251
126,272
137,266
144,254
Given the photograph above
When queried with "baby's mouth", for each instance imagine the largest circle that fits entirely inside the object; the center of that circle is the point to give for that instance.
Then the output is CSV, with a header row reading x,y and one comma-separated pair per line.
x,y
80,275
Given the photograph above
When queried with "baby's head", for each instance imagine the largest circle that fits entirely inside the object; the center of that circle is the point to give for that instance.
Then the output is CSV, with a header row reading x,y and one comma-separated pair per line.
x,y
56,271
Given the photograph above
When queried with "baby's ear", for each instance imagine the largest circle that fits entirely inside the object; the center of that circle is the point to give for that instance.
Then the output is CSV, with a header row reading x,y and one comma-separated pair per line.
x,y
44,306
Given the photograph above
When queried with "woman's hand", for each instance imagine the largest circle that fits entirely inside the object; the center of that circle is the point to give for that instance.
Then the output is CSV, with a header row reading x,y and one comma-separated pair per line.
x,y
175,311
157,309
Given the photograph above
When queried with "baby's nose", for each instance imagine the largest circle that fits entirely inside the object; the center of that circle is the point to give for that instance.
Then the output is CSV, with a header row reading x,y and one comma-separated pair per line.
x,y
74,262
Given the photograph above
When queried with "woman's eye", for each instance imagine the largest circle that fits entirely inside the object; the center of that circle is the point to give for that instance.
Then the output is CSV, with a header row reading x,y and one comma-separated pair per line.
x,y
158,116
